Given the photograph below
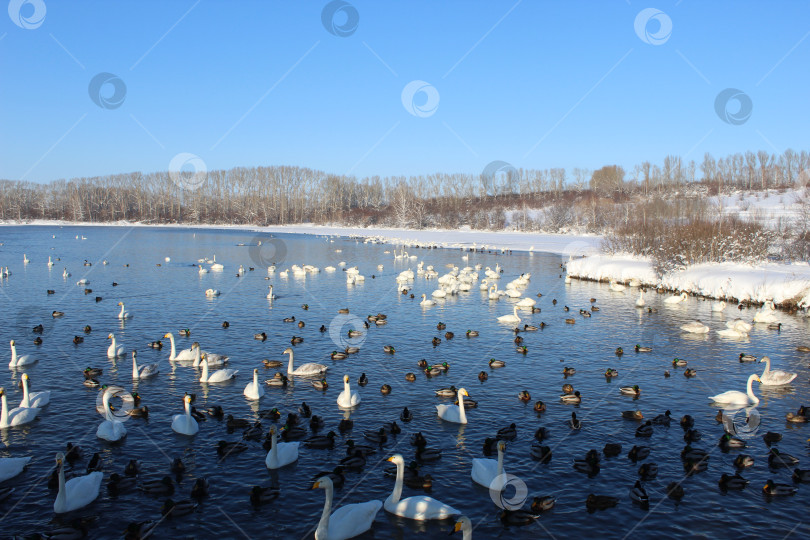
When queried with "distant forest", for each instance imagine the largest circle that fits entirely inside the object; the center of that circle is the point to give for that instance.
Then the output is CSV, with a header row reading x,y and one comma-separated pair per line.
x,y
549,200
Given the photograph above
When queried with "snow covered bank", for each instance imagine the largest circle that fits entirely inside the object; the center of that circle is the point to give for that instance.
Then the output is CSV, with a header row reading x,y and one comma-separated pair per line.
x,y
783,283
516,241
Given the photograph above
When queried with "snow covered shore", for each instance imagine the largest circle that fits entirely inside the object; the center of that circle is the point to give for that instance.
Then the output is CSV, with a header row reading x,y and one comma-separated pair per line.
x,y
516,241
787,284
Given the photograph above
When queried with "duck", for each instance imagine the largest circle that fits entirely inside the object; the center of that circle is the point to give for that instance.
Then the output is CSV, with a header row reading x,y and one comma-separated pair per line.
x,y
540,453
262,336
321,441
568,371
778,490
496,363
732,482
678,362
778,459
574,422
164,486
524,396
279,380
509,432
610,372
735,397
225,448
662,419
77,492
155,344
410,377
648,471
645,430
362,380
630,390
639,453
385,389
483,376
589,465
801,475
689,373
600,502
418,507
693,454
574,398
406,415
743,461
675,491
640,349
119,484
263,495
633,415
321,385
338,355
776,377
747,357
639,495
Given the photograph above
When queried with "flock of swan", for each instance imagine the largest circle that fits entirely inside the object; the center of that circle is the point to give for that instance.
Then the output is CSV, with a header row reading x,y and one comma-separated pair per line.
x,y
352,519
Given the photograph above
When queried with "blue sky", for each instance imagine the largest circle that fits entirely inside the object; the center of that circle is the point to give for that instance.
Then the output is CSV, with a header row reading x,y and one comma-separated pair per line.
x,y
536,84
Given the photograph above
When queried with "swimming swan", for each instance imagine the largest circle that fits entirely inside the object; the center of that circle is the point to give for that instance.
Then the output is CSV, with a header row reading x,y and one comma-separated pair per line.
x,y
184,424
77,492
114,350
220,375
253,390
347,521
418,507
735,397
143,372
347,397
110,429
454,413
510,318
124,314
281,453
33,399
16,416
310,368
769,377
489,472
19,361
676,299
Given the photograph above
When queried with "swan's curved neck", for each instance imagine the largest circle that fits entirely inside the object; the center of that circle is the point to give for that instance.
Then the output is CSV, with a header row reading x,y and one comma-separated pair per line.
x,y
347,388
13,355
767,366
322,532
274,449
122,312
4,412
197,357
396,495
61,497
188,410
204,370
106,402
256,380
750,390
25,400
134,366
462,414
174,351
290,363
500,461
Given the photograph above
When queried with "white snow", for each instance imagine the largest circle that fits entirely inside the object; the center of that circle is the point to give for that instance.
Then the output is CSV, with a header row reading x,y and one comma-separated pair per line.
x,y
758,282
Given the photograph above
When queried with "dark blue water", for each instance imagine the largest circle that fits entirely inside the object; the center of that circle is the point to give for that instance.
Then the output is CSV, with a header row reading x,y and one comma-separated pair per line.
x,y
169,296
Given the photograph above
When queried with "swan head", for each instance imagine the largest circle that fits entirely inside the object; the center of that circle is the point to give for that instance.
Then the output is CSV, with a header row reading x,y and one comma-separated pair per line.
x,y
60,457
2,392
195,345
462,522
501,445
187,399
168,335
463,392
12,342
288,350
322,482
25,376
110,336
120,303
396,458
765,359
345,378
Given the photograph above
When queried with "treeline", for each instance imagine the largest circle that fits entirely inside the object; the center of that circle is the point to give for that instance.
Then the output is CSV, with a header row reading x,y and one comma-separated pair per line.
x,y
550,199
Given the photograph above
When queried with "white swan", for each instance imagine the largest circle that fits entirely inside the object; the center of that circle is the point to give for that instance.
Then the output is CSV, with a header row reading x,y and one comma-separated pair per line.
x,y
19,361
676,299
211,293
185,354
418,507
347,521
253,390
616,287
185,424
732,333
718,306
110,429
695,327
216,267
77,492
465,526
114,350
220,375
65,273
489,472
493,292
425,302
270,295
16,416
766,314
510,318
439,293
774,377
202,270
143,372
347,398
454,413
33,399
214,359
304,369
281,453
11,467
526,303
640,301
26,260
124,314
50,262
735,397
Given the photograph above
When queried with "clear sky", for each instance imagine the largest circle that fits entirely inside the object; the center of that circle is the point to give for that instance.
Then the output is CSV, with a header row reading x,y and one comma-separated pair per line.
x,y
534,83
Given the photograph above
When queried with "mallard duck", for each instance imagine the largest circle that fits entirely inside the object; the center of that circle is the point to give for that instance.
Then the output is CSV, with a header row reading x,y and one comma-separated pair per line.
x,y
524,396
237,423
139,412
200,488
279,379
747,357
589,465
132,468
675,491
639,453
693,467
406,415
119,484
225,448
263,495
345,425
225,324
632,415
630,390
777,490
92,373
571,398
662,419
529,328
619,351
156,344
691,435
496,363
574,422
677,362
321,441
87,329
37,340
352,350
728,441
164,486
610,372
539,406
693,454
600,502
78,339
612,449
362,380
522,349
508,433
743,461
640,349
689,372
771,438
185,332
410,377
321,385
639,495
645,430
648,471
471,333
288,319
57,314
316,423
540,453
271,363
795,418
801,475
517,517
444,366
778,459
441,326
567,388
542,504
295,340
687,421
436,341
385,389
541,434
732,482
567,371
261,337
92,383
338,355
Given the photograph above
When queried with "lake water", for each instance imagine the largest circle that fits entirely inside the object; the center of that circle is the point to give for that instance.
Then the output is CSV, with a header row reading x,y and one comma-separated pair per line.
x,y
169,296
